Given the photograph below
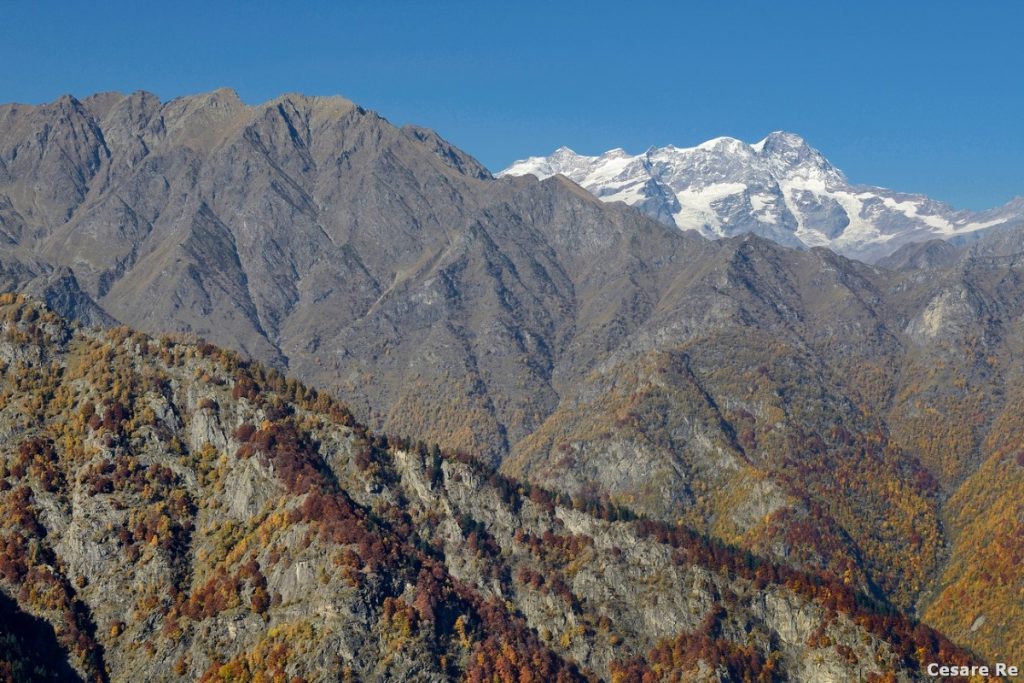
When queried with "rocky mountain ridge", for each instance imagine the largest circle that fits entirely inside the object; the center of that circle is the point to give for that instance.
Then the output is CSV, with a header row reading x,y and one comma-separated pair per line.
x,y
177,513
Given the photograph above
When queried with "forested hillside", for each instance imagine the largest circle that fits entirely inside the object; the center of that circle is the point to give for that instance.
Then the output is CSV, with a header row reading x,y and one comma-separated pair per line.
x,y
177,512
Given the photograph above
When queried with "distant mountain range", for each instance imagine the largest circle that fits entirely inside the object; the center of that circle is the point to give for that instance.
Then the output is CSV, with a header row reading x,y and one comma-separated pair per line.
x,y
780,188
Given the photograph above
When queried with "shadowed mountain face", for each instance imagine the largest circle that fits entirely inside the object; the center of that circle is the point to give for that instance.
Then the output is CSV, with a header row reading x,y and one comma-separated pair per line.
x,y
811,408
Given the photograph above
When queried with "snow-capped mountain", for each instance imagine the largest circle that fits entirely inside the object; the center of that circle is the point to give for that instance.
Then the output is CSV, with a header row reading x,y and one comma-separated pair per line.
x,y
780,188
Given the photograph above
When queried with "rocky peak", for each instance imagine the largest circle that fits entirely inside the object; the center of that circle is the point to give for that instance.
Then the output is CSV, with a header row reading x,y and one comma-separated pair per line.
x,y
790,156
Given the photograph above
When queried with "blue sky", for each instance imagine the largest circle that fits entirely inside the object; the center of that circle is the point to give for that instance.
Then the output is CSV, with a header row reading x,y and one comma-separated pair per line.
x,y
917,96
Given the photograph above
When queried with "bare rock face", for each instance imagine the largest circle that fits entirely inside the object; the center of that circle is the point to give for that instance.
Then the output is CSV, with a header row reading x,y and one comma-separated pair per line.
x,y
176,512
309,232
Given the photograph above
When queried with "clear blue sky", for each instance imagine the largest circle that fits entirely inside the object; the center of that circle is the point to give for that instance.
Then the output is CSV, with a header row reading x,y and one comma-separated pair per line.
x,y
914,95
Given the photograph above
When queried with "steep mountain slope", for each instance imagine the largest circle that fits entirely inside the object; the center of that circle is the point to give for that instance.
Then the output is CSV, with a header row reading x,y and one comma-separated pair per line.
x,y
310,232
740,406
779,188
175,512
966,418
813,409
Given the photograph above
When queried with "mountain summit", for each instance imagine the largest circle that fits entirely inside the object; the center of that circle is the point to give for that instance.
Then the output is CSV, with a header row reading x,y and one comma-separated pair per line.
x,y
780,188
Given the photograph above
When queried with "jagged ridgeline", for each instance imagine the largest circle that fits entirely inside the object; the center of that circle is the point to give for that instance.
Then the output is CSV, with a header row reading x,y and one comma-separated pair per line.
x,y
172,511
780,188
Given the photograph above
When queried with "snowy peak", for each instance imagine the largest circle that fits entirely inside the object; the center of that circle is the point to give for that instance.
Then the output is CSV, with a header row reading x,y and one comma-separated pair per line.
x,y
617,153
722,145
780,187
790,156
781,140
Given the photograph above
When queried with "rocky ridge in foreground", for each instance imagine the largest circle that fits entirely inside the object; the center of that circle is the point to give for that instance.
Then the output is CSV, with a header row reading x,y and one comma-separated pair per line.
x,y
176,512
